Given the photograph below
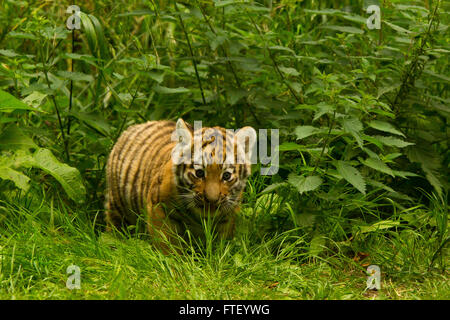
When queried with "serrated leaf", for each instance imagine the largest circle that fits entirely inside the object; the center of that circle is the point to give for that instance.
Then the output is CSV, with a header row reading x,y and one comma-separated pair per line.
x,y
165,90
345,29
351,175
304,184
397,28
75,76
8,103
404,174
305,131
392,141
289,71
378,165
69,177
385,126
353,126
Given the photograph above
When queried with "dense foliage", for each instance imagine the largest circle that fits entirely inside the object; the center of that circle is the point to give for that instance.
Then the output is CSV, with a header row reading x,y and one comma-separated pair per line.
x,y
362,114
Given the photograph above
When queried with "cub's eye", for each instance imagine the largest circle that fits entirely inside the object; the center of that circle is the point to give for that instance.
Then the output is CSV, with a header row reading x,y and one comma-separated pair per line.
x,y
199,173
226,176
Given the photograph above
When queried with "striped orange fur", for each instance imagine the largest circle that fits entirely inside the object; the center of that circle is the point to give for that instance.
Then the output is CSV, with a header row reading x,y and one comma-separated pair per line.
x,y
143,178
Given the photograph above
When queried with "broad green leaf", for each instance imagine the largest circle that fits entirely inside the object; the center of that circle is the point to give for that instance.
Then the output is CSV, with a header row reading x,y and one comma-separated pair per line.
x,y
101,40
353,126
289,71
75,76
305,131
437,75
93,121
20,180
397,28
22,35
392,141
291,146
378,165
351,175
380,225
13,137
345,29
142,12
233,95
165,90
8,53
158,76
282,49
354,18
324,11
69,177
304,184
389,88
385,126
218,3
404,174
9,102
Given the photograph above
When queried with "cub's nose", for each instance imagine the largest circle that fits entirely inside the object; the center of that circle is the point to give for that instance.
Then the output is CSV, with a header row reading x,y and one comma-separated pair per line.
x,y
212,193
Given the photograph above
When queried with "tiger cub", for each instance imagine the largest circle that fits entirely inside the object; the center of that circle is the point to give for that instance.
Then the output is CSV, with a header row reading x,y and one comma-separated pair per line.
x,y
154,169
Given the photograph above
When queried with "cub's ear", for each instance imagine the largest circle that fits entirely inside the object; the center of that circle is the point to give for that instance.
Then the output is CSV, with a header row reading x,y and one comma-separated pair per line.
x,y
183,125
183,132
182,135
245,138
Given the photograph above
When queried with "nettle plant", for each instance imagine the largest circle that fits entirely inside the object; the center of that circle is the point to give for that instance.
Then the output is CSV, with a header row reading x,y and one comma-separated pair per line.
x,y
372,133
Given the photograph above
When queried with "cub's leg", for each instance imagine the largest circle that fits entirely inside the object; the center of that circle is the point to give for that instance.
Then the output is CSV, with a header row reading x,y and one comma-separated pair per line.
x,y
163,231
225,229
113,218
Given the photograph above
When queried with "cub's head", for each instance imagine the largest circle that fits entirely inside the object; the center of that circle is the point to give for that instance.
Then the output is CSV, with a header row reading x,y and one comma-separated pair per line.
x,y
211,166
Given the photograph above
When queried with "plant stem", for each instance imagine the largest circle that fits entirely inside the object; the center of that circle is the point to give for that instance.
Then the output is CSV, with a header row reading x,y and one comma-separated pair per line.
x,y
65,142
69,118
325,143
191,51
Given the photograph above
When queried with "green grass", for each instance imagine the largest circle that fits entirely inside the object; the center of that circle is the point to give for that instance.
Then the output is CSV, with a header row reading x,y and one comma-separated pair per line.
x,y
37,245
